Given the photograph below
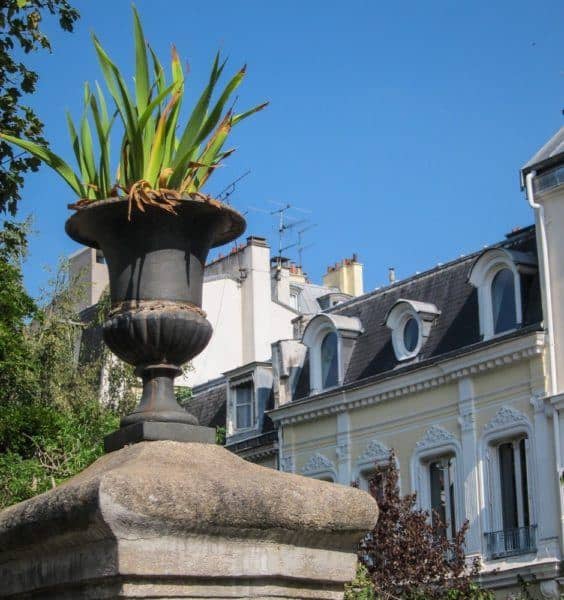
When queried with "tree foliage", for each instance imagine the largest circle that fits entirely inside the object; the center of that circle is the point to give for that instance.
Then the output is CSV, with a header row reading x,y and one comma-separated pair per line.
x,y
52,421
20,33
406,556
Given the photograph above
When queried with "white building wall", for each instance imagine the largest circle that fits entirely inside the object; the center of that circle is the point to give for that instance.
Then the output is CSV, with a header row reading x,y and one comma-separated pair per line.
x,y
222,302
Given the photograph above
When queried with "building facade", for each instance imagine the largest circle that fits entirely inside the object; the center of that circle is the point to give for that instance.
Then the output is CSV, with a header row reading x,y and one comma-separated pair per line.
x,y
459,370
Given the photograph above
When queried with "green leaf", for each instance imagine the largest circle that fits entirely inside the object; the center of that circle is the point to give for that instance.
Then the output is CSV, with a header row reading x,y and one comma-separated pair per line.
x,y
142,85
155,162
215,114
75,141
86,139
188,139
238,118
123,101
51,160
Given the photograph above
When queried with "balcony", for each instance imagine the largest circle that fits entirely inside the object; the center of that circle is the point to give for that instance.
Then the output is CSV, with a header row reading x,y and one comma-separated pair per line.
x,y
511,542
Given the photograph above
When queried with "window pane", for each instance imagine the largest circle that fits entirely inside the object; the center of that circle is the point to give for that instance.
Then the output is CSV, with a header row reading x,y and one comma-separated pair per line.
x,y
329,360
376,485
411,335
508,492
451,497
438,498
243,405
503,301
524,483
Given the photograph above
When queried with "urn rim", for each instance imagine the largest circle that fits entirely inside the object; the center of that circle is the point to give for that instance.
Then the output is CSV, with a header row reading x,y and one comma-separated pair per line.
x,y
234,223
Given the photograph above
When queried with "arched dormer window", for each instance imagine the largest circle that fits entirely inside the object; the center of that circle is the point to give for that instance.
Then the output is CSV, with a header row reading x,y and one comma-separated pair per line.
x,y
496,275
330,341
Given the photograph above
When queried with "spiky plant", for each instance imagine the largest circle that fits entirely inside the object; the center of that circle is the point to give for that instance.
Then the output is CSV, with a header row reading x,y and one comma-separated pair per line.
x,y
157,166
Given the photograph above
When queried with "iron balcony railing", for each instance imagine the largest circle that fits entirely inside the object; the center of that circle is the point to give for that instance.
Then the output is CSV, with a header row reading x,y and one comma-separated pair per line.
x,y
510,542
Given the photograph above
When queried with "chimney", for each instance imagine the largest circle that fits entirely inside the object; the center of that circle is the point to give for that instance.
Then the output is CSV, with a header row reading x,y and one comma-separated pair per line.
x,y
345,275
391,275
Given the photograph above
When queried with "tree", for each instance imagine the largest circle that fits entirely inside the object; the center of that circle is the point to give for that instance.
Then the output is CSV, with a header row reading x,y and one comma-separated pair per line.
x,y
52,422
16,307
406,556
20,30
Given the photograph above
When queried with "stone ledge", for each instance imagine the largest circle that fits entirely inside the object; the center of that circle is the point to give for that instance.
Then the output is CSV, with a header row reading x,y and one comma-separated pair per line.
x,y
187,515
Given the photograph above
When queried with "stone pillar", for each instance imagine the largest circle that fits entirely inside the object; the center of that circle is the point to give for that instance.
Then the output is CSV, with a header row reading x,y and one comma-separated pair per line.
x,y
344,448
183,520
543,470
469,465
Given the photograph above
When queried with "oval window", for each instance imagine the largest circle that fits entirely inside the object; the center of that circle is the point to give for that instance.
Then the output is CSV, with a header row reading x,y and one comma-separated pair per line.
x,y
411,334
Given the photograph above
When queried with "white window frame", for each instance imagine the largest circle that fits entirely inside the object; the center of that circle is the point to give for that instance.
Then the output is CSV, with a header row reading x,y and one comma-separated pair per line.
x,y
314,333
508,425
484,270
233,404
397,318
437,443
375,454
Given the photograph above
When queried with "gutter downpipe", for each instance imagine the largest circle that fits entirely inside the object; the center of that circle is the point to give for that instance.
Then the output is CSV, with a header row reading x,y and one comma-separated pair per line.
x,y
550,327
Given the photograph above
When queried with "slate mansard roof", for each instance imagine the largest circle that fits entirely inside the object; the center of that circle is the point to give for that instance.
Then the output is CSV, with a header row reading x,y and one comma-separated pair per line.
x,y
455,330
208,403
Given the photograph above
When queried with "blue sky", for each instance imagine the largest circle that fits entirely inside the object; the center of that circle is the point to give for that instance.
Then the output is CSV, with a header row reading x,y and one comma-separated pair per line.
x,y
401,126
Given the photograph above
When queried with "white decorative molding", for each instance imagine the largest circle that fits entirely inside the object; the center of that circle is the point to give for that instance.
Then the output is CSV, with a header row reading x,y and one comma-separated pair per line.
x,y
505,418
537,402
375,452
489,358
434,436
317,465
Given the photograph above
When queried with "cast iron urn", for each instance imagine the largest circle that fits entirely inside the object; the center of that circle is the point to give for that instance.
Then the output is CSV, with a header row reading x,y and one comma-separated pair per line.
x,y
156,265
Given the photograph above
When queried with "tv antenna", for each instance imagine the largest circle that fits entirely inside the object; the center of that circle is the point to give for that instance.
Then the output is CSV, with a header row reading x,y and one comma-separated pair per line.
x,y
226,192
283,226
300,243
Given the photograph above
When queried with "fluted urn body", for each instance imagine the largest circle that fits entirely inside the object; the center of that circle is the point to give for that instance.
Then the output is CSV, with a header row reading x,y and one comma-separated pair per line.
x,y
156,265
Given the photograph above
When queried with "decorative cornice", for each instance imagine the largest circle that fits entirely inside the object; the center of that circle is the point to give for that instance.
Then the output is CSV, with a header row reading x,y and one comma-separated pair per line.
x,y
318,464
506,417
452,370
375,452
434,436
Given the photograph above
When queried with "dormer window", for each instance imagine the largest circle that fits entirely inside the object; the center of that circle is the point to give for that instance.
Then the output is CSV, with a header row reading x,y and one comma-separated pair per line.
x,y
330,340
248,394
497,276
410,322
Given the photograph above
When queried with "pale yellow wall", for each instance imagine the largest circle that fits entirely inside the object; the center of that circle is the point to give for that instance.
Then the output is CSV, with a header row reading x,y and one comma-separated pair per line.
x,y
401,422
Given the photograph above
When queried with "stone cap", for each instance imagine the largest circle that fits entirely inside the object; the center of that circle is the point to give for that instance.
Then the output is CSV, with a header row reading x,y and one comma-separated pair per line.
x,y
172,487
